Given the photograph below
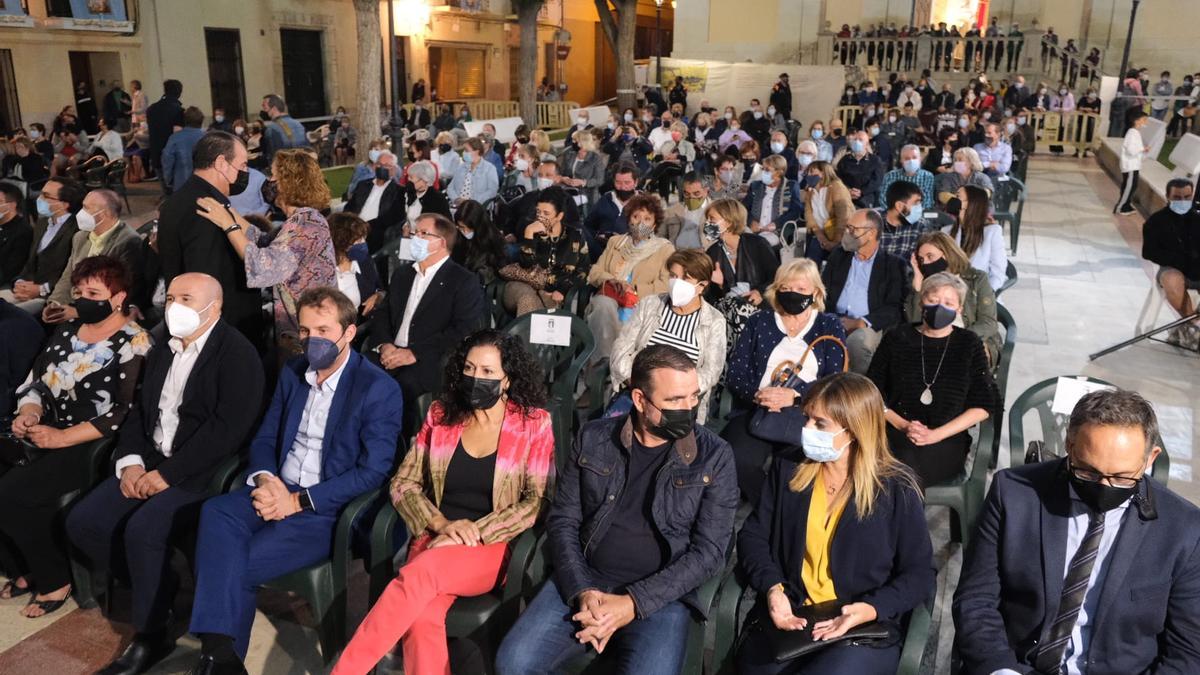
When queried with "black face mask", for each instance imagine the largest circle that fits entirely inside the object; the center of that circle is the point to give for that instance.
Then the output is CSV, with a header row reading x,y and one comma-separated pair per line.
x,y
382,173
793,303
673,424
937,317
444,148
954,207
238,186
1100,497
931,268
482,393
92,311
522,139
624,195
270,190
812,181
264,116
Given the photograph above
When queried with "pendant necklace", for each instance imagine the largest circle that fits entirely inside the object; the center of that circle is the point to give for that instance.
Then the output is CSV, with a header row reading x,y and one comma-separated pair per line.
x,y
927,395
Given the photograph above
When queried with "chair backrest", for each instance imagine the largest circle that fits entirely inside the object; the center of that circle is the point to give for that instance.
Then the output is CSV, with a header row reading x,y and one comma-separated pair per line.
x,y
562,364
1005,318
1010,278
493,293
1007,193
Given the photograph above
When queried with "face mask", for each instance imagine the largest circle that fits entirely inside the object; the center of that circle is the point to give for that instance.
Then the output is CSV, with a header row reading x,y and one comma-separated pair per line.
x,y
444,148
182,320
1181,206
856,146
812,181
374,155
628,117
850,243
792,302
693,203
239,130
915,213
1041,90
219,118
382,173
869,112
804,159
962,168
711,230
320,352
937,317
777,147
726,175
817,134
1100,497
92,311
771,111
1062,92
931,268
544,183
874,131
469,157
837,133
521,164
581,121
358,250
647,119
673,424
419,249
34,134
766,177
482,393
891,119
954,206
758,114
1021,121
1010,128
728,115
911,165
85,221
264,116
818,445
612,125
238,186
964,123
682,292
623,195
43,208
643,231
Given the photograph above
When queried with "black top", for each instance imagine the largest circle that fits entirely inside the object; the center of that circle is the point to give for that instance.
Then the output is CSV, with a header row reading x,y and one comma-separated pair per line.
x,y
632,548
963,383
16,238
467,493
756,265
22,341
1172,240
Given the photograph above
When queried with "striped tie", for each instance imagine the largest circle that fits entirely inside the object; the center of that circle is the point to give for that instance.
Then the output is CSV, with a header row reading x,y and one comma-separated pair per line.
x,y
1075,586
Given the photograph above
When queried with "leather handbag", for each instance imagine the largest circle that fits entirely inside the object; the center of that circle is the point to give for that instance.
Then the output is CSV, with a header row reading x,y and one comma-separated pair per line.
x,y
784,427
535,277
787,645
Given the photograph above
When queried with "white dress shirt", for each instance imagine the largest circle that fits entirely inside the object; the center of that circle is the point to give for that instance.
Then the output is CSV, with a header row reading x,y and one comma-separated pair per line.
x,y
302,466
370,209
172,396
420,285
347,282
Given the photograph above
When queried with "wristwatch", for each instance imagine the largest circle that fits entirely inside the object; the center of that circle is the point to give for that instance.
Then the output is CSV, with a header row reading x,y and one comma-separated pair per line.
x,y
306,501
232,228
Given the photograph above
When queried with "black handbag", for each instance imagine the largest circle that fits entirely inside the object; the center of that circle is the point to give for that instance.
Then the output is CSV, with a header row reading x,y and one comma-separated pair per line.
x,y
787,645
19,451
785,427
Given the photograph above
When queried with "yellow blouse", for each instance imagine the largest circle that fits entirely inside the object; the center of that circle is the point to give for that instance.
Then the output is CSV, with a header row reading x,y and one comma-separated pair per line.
x,y
815,573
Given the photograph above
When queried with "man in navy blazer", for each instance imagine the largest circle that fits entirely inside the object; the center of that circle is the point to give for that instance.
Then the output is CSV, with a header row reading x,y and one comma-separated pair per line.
x,y
1084,565
328,436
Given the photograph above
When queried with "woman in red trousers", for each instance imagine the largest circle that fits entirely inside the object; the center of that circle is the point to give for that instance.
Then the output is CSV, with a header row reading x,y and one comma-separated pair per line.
x,y
475,479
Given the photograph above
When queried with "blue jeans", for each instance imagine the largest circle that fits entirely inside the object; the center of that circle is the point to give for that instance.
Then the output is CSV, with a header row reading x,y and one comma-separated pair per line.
x,y
543,639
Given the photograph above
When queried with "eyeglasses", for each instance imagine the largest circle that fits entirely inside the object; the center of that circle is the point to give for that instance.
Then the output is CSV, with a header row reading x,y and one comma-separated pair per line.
x,y
857,232
1115,480
428,235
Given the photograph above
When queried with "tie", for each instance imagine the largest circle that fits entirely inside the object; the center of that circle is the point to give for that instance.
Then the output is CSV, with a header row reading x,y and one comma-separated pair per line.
x,y
1050,656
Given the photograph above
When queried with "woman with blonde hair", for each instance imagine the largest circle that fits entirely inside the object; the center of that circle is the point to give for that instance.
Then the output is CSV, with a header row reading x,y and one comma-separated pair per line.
x,y
445,158
583,167
936,252
541,140
365,170
845,499
827,208
744,265
296,259
772,365
968,170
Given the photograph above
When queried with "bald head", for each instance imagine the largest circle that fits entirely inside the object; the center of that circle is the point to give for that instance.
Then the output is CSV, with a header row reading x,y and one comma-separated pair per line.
x,y
199,292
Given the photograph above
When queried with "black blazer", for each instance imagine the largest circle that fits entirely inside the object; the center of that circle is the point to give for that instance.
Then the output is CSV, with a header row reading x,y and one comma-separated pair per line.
x,y
46,266
451,308
1012,576
433,201
22,343
190,243
885,560
216,416
885,290
391,210
16,239
756,265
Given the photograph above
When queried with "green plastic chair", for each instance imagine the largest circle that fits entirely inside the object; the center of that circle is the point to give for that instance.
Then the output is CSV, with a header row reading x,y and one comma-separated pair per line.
x,y
1039,398
1008,202
323,585
1010,278
1006,320
963,495
493,294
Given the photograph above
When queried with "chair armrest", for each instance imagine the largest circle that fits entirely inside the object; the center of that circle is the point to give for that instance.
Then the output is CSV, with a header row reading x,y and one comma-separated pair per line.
x,y
341,536
597,392
983,450
729,601
915,640
99,454
382,563
227,471
522,551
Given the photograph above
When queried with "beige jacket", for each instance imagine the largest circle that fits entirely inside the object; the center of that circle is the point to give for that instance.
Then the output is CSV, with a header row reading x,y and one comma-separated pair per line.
x,y
123,243
840,208
649,276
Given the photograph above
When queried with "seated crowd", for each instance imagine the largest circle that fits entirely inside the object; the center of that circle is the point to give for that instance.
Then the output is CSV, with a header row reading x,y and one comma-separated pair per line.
x,y
743,374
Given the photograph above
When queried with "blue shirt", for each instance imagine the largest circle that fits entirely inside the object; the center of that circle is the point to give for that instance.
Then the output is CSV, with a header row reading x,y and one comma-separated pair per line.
x,y
485,182
177,156
923,180
853,300
251,199
1002,154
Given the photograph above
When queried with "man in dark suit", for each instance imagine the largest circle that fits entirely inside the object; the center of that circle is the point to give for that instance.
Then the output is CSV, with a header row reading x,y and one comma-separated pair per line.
x,y
420,116
525,211
1084,564
864,286
189,243
16,234
192,412
379,201
22,342
60,200
162,117
430,307
328,437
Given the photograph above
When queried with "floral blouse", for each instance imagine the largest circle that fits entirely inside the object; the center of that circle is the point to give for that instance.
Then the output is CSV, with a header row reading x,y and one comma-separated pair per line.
x,y
300,257
89,382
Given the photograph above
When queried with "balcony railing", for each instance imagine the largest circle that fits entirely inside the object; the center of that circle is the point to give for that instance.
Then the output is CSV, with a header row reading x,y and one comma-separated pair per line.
x,y
110,16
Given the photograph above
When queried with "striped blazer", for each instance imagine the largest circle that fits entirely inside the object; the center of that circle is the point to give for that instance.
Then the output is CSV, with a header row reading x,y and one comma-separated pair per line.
x,y
524,470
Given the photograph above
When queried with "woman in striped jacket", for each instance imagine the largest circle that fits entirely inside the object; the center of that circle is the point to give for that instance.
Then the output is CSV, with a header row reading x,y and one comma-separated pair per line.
x,y
476,478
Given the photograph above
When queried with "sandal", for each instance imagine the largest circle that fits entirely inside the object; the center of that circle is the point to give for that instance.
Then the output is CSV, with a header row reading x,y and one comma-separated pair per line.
x,y
13,590
47,606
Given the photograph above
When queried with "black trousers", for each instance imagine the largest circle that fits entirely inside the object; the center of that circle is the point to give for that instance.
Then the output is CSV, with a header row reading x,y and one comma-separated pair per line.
x,y
29,503
1129,181
134,535
750,454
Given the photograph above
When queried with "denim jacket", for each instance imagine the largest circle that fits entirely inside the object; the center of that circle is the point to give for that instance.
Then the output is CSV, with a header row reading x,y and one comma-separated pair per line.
x,y
693,510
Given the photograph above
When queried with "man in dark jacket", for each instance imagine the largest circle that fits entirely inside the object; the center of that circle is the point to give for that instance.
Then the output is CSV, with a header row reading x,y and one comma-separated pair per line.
x,y
118,108
190,243
16,234
1171,239
60,200
420,116
162,118
196,407
607,216
861,170
642,518
282,131
781,97
22,342
379,201
864,286
525,210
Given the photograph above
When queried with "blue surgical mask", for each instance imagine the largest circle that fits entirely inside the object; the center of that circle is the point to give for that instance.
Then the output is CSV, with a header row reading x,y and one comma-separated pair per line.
x,y
469,157
856,146
374,155
912,165
817,133
43,208
818,445
358,250
1181,206
915,214
777,147
419,249
320,352
805,159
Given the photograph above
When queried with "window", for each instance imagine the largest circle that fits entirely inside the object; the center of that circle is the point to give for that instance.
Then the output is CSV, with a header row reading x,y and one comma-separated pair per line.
x,y
10,112
458,72
224,47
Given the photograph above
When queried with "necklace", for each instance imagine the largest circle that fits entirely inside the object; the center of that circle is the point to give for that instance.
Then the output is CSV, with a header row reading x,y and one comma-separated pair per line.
x,y
927,395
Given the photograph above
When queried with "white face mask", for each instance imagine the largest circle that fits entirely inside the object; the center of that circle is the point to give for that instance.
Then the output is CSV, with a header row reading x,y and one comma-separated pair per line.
x,y
581,121
182,321
682,292
239,130
85,221
521,164
544,183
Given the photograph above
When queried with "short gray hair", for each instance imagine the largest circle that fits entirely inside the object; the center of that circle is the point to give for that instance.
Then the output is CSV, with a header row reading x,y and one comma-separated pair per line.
x,y
112,202
1115,408
874,219
913,147
936,282
423,171
807,146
